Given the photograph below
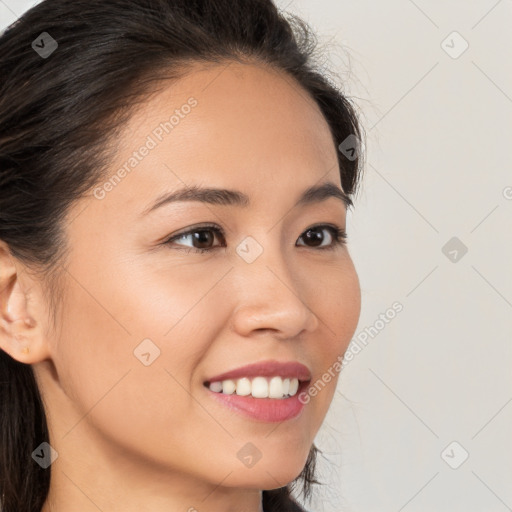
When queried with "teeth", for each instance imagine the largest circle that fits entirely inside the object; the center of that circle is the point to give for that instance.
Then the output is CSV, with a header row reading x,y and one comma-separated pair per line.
x,y
276,388
242,387
228,386
216,386
259,387
294,386
286,386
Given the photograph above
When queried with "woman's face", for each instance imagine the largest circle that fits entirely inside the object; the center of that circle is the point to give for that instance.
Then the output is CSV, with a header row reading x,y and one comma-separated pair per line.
x,y
145,323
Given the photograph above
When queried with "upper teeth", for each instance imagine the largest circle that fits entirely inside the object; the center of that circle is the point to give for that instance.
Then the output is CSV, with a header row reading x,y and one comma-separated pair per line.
x,y
259,387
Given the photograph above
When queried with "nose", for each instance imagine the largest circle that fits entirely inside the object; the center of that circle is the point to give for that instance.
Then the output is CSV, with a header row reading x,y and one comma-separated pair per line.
x,y
272,296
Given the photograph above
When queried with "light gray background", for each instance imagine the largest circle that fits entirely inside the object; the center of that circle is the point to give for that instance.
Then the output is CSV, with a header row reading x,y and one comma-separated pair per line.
x,y
438,165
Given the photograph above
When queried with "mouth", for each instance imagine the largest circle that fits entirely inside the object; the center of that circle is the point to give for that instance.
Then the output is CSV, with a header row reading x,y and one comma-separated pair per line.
x,y
267,391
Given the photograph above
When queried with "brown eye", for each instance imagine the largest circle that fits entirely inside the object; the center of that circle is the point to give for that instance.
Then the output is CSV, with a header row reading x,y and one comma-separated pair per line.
x,y
315,237
201,239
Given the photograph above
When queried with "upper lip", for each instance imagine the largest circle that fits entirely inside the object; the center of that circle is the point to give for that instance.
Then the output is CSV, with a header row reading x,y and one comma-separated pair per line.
x,y
287,369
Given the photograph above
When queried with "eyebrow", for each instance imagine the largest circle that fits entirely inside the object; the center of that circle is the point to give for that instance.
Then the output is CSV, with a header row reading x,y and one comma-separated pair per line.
x,y
227,197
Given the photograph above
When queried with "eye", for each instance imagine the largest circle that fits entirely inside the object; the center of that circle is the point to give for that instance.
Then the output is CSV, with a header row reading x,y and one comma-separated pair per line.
x,y
202,238
337,236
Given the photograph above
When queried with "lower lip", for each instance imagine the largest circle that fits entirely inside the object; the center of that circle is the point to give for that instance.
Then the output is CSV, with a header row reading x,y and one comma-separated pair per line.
x,y
270,410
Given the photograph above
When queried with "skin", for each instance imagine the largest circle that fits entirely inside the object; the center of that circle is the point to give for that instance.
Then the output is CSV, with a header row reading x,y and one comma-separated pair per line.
x,y
150,438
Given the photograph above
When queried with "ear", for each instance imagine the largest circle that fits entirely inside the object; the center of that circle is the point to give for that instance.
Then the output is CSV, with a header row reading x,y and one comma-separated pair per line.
x,y
21,327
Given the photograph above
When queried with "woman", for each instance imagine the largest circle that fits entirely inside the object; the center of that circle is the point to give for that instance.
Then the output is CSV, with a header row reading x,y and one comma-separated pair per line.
x,y
175,280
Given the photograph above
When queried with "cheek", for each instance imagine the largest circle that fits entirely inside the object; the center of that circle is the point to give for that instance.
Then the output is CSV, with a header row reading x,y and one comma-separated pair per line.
x,y
135,407
339,305
349,305
126,344
338,308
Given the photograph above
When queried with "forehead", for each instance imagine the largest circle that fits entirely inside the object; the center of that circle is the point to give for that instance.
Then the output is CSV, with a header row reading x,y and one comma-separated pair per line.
x,y
235,125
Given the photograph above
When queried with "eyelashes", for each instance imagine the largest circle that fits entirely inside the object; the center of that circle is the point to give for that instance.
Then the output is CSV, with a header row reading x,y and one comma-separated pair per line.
x,y
337,234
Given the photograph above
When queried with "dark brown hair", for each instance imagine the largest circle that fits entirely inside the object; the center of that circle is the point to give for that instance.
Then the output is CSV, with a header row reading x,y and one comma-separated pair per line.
x,y
59,115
